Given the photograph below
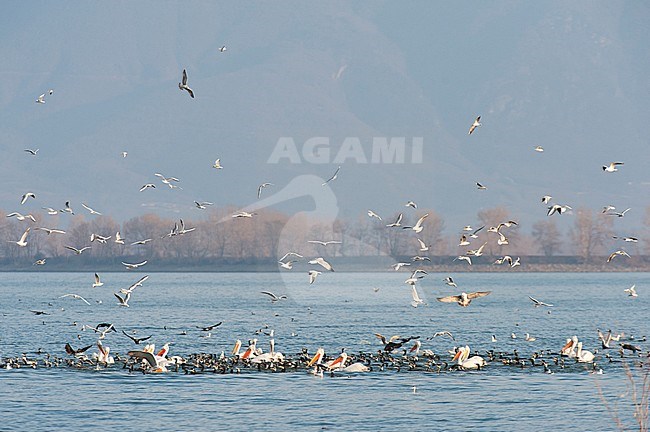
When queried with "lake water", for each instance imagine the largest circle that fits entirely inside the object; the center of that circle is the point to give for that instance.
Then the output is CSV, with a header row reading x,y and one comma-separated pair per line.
x,y
340,310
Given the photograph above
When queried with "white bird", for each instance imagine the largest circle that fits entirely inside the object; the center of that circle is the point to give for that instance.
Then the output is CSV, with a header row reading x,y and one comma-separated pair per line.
x,y
463,241
32,152
217,164
320,261
135,285
477,252
125,154
90,209
26,196
97,283
286,265
21,217
557,208
141,242
616,253
262,186
423,246
416,298
118,238
608,208
134,266
124,301
67,208
274,298
243,214
399,265
147,186
336,173
418,226
41,99
449,281
398,222
474,125
465,362
539,149
631,291
411,204
479,186
546,199
223,48
75,296
627,239
464,299
620,214
183,84
51,211
584,356
464,258
324,243
312,276
288,254
101,239
203,204
77,251
529,338
22,241
612,167
373,214
538,303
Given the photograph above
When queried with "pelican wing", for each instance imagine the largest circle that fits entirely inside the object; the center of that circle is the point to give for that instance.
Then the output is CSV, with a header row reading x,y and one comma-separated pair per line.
x,y
143,355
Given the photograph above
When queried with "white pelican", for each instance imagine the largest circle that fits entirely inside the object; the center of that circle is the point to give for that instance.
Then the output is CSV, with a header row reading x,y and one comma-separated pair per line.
x,y
569,348
236,348
584,356
612,167
269,357
26,196
418,226
158,362
103,356
474,125
320,261
22,241
183,84
464,299
97,283
334,177
465,362
251,351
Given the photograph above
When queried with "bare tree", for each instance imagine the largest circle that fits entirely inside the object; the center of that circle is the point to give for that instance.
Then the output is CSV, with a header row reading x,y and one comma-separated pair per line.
x,y
547,237
589,233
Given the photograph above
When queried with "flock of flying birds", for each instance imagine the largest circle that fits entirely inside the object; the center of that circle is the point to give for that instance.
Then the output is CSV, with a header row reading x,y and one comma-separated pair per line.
x,y
150,360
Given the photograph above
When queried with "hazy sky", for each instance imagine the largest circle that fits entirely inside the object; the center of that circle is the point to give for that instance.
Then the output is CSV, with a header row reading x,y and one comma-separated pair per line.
x,y
340,76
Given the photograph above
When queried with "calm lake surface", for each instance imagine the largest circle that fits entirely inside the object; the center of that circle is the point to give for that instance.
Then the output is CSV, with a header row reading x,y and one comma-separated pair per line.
x,y
340,310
